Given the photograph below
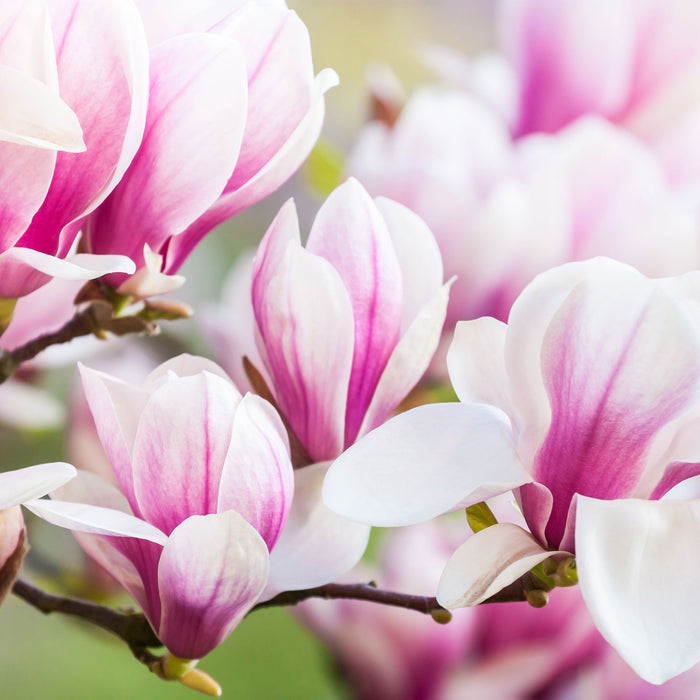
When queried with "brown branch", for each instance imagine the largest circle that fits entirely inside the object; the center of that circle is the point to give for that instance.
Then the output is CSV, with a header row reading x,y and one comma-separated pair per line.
x,y
360,591
130,627
97,318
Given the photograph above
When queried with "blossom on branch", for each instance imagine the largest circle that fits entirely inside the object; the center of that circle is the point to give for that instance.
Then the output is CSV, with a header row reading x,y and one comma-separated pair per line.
x,y
83,66
242,69
587,405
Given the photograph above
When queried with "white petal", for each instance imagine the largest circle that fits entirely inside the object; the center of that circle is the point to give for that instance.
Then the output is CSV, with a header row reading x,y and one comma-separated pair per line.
x,y
639,578
488,562
317,545
31,482
425,462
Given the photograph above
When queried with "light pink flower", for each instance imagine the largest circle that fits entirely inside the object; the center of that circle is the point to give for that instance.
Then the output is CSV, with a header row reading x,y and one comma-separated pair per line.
x,y
95,52
234,109
206,487
347,325
588,405
502,212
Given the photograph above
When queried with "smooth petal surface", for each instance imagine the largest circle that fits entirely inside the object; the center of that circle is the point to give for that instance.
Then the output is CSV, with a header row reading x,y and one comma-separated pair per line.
x,y
619,361
423,463
116,407
317,546
408,360
304,317
351,234
487,562
476,363
639,580
212,571
158,197
102,60
25,484
257,480
181,442
95,520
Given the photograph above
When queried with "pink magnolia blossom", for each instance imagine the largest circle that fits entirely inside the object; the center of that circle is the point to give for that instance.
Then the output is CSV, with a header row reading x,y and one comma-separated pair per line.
x,y
588,402
634,63
51,177
347,325
502,211
202,523
234,109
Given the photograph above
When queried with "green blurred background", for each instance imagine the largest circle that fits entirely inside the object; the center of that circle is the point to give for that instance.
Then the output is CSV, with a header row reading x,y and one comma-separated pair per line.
x,y
269,655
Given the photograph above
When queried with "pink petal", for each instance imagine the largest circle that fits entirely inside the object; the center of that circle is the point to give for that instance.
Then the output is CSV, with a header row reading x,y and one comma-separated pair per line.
x,y
351,234
257,479
619,361
186,365
180,447
408,361
116,407
159,197
571,59
211,572
103,73
306,330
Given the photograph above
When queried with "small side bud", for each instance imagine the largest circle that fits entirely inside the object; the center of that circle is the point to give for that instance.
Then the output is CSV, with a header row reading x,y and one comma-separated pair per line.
x,y
441,616
537,598
202,682
7,308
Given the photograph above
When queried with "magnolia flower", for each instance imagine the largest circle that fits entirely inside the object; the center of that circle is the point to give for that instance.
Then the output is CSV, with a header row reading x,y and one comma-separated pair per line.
x,y
635,63
204,498
60,164
346,326
234,109
503,212
23,486
586,404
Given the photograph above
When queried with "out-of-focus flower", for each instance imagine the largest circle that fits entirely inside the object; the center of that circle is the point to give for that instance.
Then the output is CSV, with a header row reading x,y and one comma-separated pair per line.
x,y
502,212
588,405
96,53
18,487
234,109
505,651
347,325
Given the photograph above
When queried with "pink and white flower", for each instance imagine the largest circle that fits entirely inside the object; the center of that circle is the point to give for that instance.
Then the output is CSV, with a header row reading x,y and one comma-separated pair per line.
x,y
587,404
347,325
505,211
96,53
234,109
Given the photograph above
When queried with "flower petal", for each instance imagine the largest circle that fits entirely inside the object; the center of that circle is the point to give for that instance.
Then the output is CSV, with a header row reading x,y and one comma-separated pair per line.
x,y
95,520
639,581
317,545
257,480
211,573
182,439
487,562
25,484
423,463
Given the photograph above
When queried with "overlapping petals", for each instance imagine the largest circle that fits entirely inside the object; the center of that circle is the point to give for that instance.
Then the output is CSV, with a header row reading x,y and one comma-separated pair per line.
x,y
600,380
245,70
347,325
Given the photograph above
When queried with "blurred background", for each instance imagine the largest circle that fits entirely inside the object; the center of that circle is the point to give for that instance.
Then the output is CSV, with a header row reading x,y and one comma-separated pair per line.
x,y
270,655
